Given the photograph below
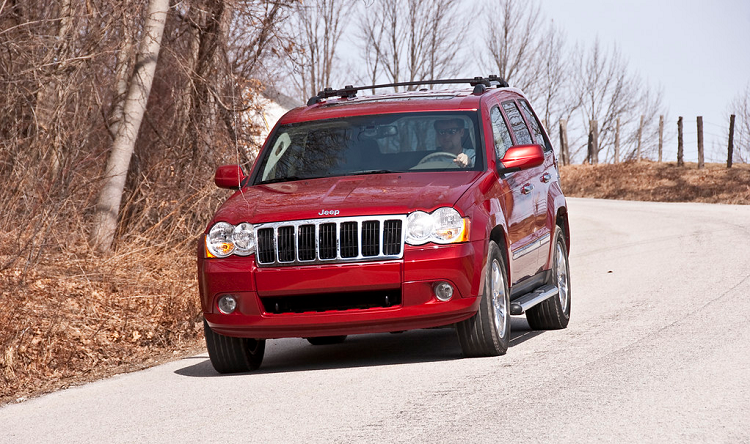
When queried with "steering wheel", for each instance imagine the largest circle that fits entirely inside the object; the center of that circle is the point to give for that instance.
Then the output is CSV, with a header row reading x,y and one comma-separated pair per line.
x,y
439,154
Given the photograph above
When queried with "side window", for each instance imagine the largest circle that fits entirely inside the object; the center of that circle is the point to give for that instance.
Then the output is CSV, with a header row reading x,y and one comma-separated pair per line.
x,y
500,132
523,137
536,127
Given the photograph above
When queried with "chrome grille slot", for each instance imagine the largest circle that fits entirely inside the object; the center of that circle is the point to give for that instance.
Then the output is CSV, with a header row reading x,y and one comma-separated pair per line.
x,y
349,240
370,238
328,245
332,240
266,248
306,243
286,247
392,238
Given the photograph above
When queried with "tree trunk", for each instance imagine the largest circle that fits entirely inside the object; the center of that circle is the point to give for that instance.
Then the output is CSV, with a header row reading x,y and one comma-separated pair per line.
x,y
617,141
640,137
661,136
564,156
108,204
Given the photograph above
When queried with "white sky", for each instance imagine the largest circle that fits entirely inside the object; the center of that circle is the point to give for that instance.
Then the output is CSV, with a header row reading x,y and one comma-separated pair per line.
x,y
698,51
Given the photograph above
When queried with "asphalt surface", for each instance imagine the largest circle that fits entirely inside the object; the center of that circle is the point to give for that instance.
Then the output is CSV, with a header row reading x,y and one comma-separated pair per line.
x,y
658,350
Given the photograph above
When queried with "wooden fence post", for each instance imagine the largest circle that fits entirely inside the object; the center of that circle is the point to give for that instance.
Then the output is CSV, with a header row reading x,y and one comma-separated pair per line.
x,y
617,141
680,146
700,143
640,136
564,142
661,135
730,147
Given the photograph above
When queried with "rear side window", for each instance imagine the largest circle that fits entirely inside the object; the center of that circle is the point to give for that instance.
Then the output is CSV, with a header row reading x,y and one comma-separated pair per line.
x,y
523,137
536,127
500,133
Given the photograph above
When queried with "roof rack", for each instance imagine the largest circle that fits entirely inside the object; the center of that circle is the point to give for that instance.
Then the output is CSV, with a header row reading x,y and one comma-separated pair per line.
x,y
480,84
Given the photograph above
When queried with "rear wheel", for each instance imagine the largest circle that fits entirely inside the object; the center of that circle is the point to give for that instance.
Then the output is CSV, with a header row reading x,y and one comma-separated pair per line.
x,y
487,333
326,340
554,313
233,355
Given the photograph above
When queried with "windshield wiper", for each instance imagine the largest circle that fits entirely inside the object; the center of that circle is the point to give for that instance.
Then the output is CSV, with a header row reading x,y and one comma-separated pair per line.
x,y
279,179
374,172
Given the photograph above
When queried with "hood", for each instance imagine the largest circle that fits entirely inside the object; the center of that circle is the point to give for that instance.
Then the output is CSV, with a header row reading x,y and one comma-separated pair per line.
x,y
395,193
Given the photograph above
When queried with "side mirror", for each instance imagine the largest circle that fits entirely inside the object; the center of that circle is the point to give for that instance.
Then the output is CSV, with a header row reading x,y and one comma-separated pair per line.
x,y
520,157
229,176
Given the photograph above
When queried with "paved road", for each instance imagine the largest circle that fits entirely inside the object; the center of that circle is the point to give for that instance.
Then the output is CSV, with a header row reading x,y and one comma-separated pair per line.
x,y
658,350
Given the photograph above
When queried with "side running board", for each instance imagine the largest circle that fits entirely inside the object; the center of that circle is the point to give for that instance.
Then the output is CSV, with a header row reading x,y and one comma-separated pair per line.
x,y
520,305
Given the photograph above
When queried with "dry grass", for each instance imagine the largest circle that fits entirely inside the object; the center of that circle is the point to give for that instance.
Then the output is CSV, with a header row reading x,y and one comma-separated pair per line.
x,y
69,317
74,318
660,182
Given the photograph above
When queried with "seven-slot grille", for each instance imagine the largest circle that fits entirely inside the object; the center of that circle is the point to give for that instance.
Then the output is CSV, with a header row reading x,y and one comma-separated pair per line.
x,y
344,239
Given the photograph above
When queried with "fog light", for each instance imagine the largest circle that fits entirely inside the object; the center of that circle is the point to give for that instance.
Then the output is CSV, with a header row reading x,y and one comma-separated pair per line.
x,y
443,291
227,304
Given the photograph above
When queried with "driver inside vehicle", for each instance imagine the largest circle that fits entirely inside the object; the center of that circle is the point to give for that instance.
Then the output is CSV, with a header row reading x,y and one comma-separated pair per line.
x,y
449,136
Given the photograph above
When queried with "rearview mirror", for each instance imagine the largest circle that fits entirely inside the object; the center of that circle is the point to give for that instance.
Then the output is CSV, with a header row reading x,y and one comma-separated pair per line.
x,y
520,157
229,176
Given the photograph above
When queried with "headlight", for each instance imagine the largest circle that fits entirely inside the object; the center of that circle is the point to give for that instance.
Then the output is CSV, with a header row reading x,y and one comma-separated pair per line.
x,y
244,239
418,228
443,226
219,240
224,239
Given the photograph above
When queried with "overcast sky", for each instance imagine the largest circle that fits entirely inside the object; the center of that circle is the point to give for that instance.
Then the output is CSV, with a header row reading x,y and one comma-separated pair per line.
x,y
698,51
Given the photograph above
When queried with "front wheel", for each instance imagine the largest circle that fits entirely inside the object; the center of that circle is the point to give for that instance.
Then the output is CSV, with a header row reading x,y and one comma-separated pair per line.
x,y
233,355
554,313
487,333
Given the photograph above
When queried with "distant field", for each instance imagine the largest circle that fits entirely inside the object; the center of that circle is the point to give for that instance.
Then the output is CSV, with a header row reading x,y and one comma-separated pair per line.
x,y
660,182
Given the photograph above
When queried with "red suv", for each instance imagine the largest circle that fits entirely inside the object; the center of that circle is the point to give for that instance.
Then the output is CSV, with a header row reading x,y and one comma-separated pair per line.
x,y
387,213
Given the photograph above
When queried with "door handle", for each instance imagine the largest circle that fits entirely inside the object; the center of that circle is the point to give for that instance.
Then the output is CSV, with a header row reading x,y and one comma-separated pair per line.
x,y
546,177
527,188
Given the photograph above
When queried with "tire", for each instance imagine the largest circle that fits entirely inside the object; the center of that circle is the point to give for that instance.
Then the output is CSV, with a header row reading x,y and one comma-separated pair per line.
x,y
326,340
554,313
233,355
487,333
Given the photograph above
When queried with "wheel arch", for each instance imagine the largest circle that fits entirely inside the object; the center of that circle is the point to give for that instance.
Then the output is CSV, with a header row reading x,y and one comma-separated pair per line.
x,y
500,237
561,220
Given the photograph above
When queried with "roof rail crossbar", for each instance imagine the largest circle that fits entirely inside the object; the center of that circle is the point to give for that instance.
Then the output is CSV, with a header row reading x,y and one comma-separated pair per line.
x,y
350,91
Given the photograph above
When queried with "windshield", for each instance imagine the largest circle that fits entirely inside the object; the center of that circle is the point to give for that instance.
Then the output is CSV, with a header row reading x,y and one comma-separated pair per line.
x,y
387,143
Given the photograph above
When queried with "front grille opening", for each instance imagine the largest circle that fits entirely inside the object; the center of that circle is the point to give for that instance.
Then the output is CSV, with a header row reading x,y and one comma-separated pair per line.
x,y
306,243
286,244
266,249
392,237
371,238
362,300
328,241
349,236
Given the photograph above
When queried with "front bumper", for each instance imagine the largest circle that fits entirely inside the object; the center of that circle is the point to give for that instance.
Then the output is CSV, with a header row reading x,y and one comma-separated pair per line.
x,y
413,277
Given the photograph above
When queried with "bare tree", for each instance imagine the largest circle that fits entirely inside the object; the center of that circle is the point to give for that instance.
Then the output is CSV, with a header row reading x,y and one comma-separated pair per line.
x,y
605,90
110,197
319,27
740,107
413,40
513,39
531,54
